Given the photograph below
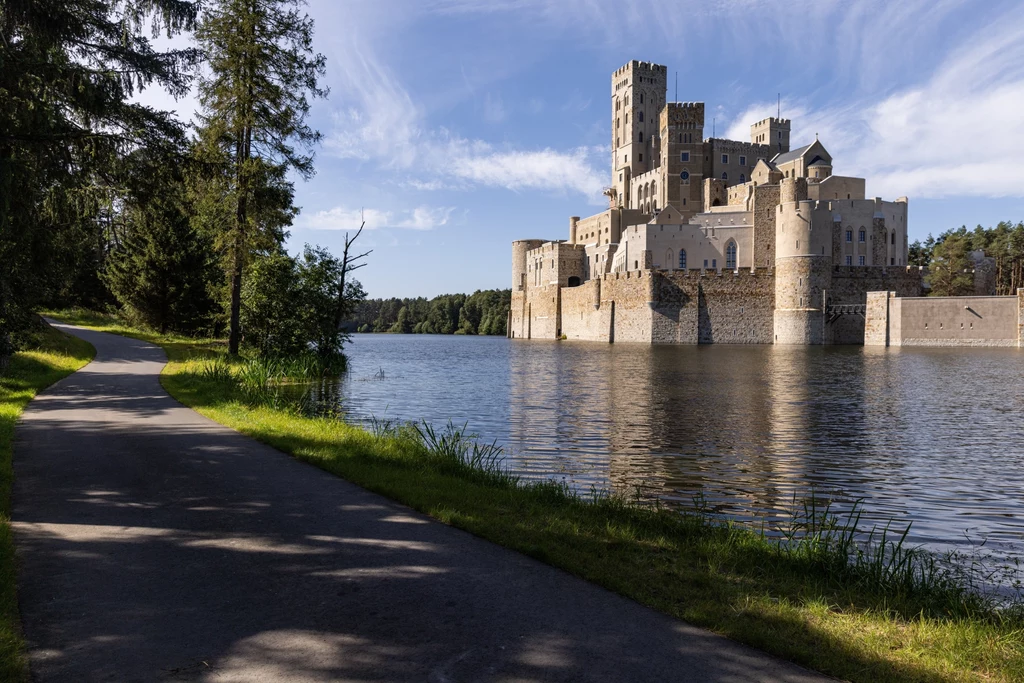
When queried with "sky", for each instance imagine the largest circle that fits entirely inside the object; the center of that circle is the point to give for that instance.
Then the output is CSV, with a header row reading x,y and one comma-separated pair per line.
x,y
454,127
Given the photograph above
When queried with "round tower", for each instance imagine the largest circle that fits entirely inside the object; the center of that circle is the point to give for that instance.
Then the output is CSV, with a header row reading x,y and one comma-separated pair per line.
x,y
519,249
573,224
803,265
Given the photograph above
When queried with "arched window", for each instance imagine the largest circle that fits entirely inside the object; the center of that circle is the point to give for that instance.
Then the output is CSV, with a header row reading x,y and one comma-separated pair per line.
x,y
682,259
730,255
641,114
641,136
725,176
654,188
743,177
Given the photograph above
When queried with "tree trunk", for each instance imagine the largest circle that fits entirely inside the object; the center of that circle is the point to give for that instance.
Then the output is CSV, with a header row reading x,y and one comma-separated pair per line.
x,y
243,150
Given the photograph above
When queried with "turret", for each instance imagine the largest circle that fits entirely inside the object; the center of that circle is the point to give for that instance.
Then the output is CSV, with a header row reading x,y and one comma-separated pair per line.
x,y
519,249
803,265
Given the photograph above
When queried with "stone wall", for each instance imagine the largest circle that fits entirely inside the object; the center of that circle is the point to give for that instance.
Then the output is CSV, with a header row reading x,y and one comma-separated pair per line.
x,y
850,285
945,321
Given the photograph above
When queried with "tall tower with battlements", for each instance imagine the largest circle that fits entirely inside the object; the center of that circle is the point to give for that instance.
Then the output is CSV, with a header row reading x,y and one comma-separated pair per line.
x,y
638,94
682,157
771,131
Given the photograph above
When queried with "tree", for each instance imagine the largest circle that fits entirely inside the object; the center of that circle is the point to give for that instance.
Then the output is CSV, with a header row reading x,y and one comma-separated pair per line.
x,y
255,100
67,69
949,272
160,268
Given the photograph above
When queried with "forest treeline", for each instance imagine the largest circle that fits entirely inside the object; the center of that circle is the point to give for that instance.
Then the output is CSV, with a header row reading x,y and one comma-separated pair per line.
x,y
950,267
106,203
483,312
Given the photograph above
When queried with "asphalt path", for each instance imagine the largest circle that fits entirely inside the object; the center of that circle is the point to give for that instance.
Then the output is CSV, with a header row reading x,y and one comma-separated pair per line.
x,y
155,544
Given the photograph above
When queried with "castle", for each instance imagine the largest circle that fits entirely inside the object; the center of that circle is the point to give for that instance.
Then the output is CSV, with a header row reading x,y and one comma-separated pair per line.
x,y
708,240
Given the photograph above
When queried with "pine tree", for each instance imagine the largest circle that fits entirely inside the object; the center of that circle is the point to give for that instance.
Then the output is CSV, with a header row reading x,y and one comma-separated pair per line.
x,y
255,100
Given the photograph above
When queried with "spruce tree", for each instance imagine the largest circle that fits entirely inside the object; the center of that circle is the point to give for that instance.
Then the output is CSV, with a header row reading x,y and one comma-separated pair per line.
x,y
161,268
262,71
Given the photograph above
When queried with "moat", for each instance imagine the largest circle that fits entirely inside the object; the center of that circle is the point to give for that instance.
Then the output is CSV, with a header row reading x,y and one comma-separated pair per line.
x,y
932,436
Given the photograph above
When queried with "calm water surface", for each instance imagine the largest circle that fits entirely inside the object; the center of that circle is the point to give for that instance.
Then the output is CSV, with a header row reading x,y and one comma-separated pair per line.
x,y
929,436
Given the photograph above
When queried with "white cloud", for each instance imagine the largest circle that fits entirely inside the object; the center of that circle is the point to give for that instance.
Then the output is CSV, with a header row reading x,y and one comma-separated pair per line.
x,y
343,218
958,133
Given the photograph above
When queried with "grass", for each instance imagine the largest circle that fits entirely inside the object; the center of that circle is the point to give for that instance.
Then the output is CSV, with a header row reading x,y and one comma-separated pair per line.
x,y
816,594
50,357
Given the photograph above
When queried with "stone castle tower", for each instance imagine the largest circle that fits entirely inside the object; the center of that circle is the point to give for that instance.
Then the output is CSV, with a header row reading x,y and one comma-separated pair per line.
x,y
803,265
773,132
638,94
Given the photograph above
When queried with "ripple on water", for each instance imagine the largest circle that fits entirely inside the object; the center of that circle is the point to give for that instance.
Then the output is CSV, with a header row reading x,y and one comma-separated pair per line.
x,y
929,436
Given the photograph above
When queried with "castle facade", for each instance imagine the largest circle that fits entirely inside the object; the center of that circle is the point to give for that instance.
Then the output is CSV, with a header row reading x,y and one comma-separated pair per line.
x,y
708,240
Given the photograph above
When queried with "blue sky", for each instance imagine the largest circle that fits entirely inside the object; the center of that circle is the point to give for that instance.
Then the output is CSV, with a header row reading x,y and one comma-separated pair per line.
x,y
457,126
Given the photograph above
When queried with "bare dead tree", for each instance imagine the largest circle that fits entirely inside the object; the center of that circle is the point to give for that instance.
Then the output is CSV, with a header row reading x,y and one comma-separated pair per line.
x,y
349,263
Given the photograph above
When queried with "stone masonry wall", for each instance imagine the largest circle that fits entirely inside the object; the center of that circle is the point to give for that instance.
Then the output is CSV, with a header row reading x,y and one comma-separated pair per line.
x,y
851,284
876,319
766,199
732,307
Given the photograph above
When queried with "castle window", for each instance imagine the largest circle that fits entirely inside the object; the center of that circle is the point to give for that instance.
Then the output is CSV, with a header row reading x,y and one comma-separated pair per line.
x,y
641,113
680,138
725,158
861,236
684,157
743,161
743,178
682,259
893,237
641,157
849,260
730,256
641,136
892,261
849,235
705,263
714,263
725,176
860,260
641,102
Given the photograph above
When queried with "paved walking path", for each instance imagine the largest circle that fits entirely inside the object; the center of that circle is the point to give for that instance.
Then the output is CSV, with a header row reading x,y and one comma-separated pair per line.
x,y
155,544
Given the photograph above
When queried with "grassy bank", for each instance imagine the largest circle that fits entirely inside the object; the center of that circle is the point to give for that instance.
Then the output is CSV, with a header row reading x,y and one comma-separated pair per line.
x,y
881,612
50,357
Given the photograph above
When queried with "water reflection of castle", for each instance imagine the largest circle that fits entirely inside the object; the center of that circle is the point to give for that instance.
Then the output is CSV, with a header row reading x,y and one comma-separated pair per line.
x,y
752,424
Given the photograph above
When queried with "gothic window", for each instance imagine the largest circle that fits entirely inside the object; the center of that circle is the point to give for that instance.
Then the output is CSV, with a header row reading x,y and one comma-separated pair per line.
x,y
743,177
641,113
730,255
725,176
861,236
682,259
849,237
892,237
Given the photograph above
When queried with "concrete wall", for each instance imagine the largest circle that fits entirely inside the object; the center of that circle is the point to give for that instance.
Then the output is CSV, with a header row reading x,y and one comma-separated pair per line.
x,y
945,321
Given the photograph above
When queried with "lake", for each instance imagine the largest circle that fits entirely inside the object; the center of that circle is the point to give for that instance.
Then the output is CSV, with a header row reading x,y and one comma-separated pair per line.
x,y
929,436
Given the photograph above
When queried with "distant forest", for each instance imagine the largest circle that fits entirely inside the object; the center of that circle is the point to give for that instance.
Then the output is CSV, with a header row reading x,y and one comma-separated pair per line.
x,y
483,312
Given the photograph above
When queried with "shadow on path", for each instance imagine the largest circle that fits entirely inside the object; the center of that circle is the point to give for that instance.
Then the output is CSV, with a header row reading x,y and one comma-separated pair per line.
x,y
157,545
